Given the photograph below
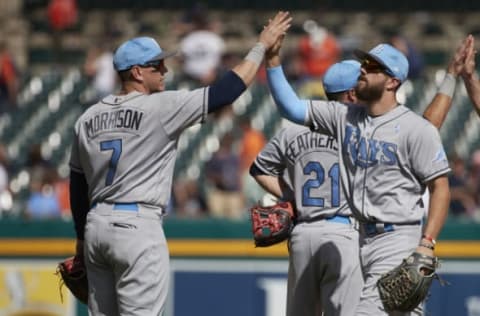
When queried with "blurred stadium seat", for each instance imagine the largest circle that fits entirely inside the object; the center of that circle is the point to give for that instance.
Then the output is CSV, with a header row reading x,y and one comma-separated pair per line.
x,y
53,89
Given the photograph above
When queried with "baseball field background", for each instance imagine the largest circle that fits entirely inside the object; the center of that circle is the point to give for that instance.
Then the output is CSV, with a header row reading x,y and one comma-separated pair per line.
x,y
216,270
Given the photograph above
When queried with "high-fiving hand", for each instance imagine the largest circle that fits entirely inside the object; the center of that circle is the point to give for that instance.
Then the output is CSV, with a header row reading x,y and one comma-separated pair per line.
x,y
469,67
276,28
461,62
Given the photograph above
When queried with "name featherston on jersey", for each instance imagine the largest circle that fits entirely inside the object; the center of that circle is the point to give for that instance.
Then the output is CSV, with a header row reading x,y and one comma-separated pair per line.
x,y
307,141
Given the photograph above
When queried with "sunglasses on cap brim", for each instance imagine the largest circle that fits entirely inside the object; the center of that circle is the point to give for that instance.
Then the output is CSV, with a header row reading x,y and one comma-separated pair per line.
x,y
153,63
373,66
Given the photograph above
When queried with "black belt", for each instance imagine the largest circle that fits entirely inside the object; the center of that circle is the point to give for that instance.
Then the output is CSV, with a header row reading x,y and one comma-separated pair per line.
x,y
374,228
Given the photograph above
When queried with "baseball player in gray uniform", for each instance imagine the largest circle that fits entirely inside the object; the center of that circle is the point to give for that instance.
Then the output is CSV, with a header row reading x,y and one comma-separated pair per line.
x,y
122,165
302,166
388,156
281,170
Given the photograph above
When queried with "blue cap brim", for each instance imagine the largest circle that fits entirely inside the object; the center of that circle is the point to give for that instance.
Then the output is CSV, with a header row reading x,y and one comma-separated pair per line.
x,y
163,55
361,55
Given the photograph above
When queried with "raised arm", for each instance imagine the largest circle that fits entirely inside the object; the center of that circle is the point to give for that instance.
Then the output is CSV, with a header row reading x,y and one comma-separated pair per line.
x,y
276,28
470,77
437,110
227,89
290,106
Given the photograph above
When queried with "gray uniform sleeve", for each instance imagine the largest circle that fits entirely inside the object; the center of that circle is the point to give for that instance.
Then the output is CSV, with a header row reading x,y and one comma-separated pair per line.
x,y
271,159
430,158
323,116
185,109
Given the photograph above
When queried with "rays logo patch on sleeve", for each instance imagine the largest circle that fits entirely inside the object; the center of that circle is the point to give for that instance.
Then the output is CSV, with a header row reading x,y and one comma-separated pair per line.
x,y
441,156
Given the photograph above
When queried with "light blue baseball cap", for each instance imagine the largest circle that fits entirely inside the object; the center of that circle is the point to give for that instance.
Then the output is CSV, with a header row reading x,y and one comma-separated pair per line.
x,y
341,76
138,51
388,56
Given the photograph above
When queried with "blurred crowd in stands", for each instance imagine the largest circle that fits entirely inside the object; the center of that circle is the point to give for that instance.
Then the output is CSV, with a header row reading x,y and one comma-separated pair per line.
x,y
223,188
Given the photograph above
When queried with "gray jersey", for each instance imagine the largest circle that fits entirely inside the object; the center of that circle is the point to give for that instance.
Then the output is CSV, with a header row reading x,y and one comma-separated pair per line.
x,y
386,161
111,146
308,162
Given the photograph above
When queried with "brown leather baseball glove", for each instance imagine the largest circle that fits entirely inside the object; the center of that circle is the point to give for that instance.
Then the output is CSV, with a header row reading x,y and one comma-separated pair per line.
x,y
271,224
74,275
407,285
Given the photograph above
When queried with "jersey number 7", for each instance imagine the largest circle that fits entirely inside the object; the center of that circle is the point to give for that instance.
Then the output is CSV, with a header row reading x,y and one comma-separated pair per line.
x,y
115,145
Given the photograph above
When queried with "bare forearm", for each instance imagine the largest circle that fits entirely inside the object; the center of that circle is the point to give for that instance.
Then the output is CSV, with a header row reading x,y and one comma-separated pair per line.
x,y
247,71
270,35
472,84
437,110
270,184
248,68
438,210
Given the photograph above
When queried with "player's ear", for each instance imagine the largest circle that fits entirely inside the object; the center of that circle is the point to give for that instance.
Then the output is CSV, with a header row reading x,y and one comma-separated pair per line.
x,y
352,96
393,84
136,73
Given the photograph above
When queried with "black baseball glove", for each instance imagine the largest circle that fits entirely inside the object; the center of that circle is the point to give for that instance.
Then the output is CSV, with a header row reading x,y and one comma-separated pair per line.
x,y
73,274
271,224
407,285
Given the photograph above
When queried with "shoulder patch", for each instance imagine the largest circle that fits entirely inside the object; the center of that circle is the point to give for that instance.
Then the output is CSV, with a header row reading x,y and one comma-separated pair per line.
x,y
441,156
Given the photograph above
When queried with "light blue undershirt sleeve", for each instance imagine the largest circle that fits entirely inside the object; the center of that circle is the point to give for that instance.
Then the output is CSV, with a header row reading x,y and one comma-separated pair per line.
x,y
288,103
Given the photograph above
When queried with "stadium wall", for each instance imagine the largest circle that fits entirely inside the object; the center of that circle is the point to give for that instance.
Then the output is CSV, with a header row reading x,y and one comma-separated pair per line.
x,y
216,270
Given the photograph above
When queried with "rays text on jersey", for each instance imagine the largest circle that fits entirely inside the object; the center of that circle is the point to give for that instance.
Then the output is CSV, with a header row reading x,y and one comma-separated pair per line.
x,y
112,120
367,152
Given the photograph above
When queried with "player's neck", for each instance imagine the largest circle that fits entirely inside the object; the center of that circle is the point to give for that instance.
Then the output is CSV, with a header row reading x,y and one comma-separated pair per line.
x,y
381,106
131,86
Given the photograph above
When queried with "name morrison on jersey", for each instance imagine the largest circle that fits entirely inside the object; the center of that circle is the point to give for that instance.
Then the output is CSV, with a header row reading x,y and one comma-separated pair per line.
x,y
111,120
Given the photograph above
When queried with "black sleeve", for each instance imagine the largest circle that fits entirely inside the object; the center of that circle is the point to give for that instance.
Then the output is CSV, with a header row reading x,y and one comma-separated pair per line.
x,y
79,202
255,171
225,91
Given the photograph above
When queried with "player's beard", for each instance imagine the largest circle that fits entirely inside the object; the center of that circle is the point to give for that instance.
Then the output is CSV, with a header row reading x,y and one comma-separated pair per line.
x,y
368,92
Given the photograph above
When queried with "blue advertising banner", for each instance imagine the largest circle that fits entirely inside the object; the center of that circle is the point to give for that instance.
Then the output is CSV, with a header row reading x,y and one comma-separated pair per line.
x,y
258,288
461,295
228,287
219,287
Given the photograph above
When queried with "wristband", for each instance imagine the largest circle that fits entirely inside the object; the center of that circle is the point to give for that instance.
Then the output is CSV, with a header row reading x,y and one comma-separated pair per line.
x,y
425,245
448,84
256,54
429,238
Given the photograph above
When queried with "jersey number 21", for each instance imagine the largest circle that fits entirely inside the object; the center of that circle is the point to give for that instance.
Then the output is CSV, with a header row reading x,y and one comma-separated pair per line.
x,y
315,168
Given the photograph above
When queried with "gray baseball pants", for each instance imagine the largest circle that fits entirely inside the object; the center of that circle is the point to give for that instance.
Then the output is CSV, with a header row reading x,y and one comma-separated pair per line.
x,y
127,261
324,269
380,253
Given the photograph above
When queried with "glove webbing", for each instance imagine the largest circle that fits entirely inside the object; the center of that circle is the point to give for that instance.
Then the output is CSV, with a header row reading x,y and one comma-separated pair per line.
x,y
268,219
